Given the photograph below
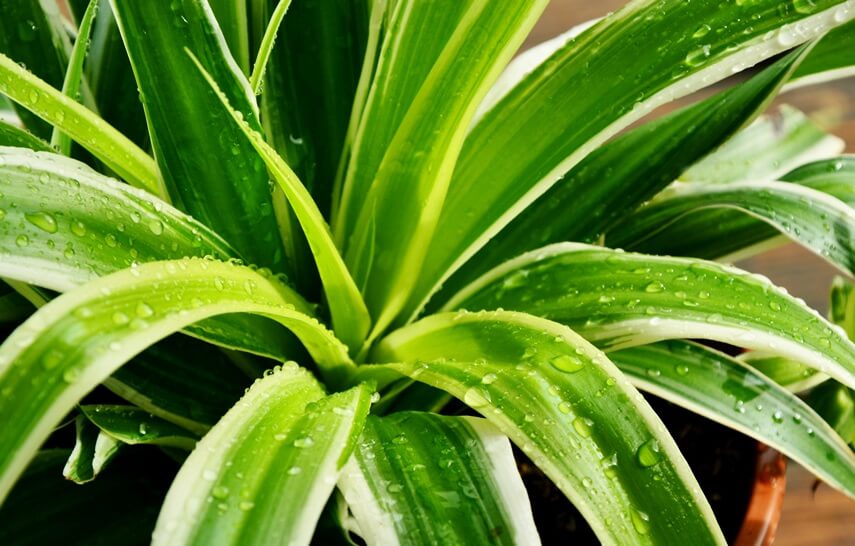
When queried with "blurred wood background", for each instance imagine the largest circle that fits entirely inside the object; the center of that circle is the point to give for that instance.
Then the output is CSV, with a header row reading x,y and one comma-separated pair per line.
x,y
824,517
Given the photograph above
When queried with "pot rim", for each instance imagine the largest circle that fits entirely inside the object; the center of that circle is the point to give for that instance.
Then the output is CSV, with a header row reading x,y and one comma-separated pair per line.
x,y
767,498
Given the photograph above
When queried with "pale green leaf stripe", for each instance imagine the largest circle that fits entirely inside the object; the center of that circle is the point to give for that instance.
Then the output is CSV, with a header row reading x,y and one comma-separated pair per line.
x,y
76,341
62,224
74,73
92,451
349,315
399,212
766,150
106,143
819,222
267,41
132,425
570,410
475,497
263,474
618,300
833,58
722,389
568,106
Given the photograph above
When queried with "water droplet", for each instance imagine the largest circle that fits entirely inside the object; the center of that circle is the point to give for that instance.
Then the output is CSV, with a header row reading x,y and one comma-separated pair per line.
x,y
78,228
682,369
704,295
294,470
246,505
648,453
775,306
640,521
120,318
52,359
583,426
220,492
71,375
2,214
654,287
143,429
567,364
27,31
805,7
111,241
702,31
156,227
606,299
42,220
305,441
489,379
394,488
698,56
144,310
778,417
476,398
22,240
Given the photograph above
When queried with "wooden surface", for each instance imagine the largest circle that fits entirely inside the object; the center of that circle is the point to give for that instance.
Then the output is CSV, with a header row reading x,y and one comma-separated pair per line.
x,y
824,517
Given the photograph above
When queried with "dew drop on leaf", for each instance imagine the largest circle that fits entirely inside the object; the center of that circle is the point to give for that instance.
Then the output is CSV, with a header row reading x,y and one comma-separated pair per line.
x,y
42,220
648,454
566,364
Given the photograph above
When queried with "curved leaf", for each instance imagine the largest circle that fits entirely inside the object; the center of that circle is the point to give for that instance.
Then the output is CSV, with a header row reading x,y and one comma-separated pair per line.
x,y
74,73
766,150
836,404
393,193
62,224
618,300
571,104
615,179
728,234
821,223
93,450
570,410
106,143
420,478
208,166
349,315
786,372
11,135
76,341
132,425
722,389
832,58
263,474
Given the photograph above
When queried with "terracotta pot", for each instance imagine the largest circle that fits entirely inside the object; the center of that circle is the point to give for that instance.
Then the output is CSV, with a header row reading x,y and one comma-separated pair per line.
x,y
767,498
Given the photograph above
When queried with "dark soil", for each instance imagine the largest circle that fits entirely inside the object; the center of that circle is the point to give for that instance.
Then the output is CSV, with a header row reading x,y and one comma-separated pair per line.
x,y
722,460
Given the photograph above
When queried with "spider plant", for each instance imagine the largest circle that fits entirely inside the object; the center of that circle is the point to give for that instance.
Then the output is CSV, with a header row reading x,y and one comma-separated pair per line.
x,y
285,237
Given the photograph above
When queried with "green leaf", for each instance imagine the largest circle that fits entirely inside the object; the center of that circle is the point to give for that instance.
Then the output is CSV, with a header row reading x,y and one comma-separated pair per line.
x,y
393,193
208,165
819,222
786,372
93,450
832,58
322,42
62,225
13,306
570,410
617,178
723,389
619,300
74,73
106,143
112,79
11,135
266,46
167,381
32,33
132,425
232,18
571,104
836,405
263,474
76,341
125,499
727,234
349,315
419,478
842,305
769,148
